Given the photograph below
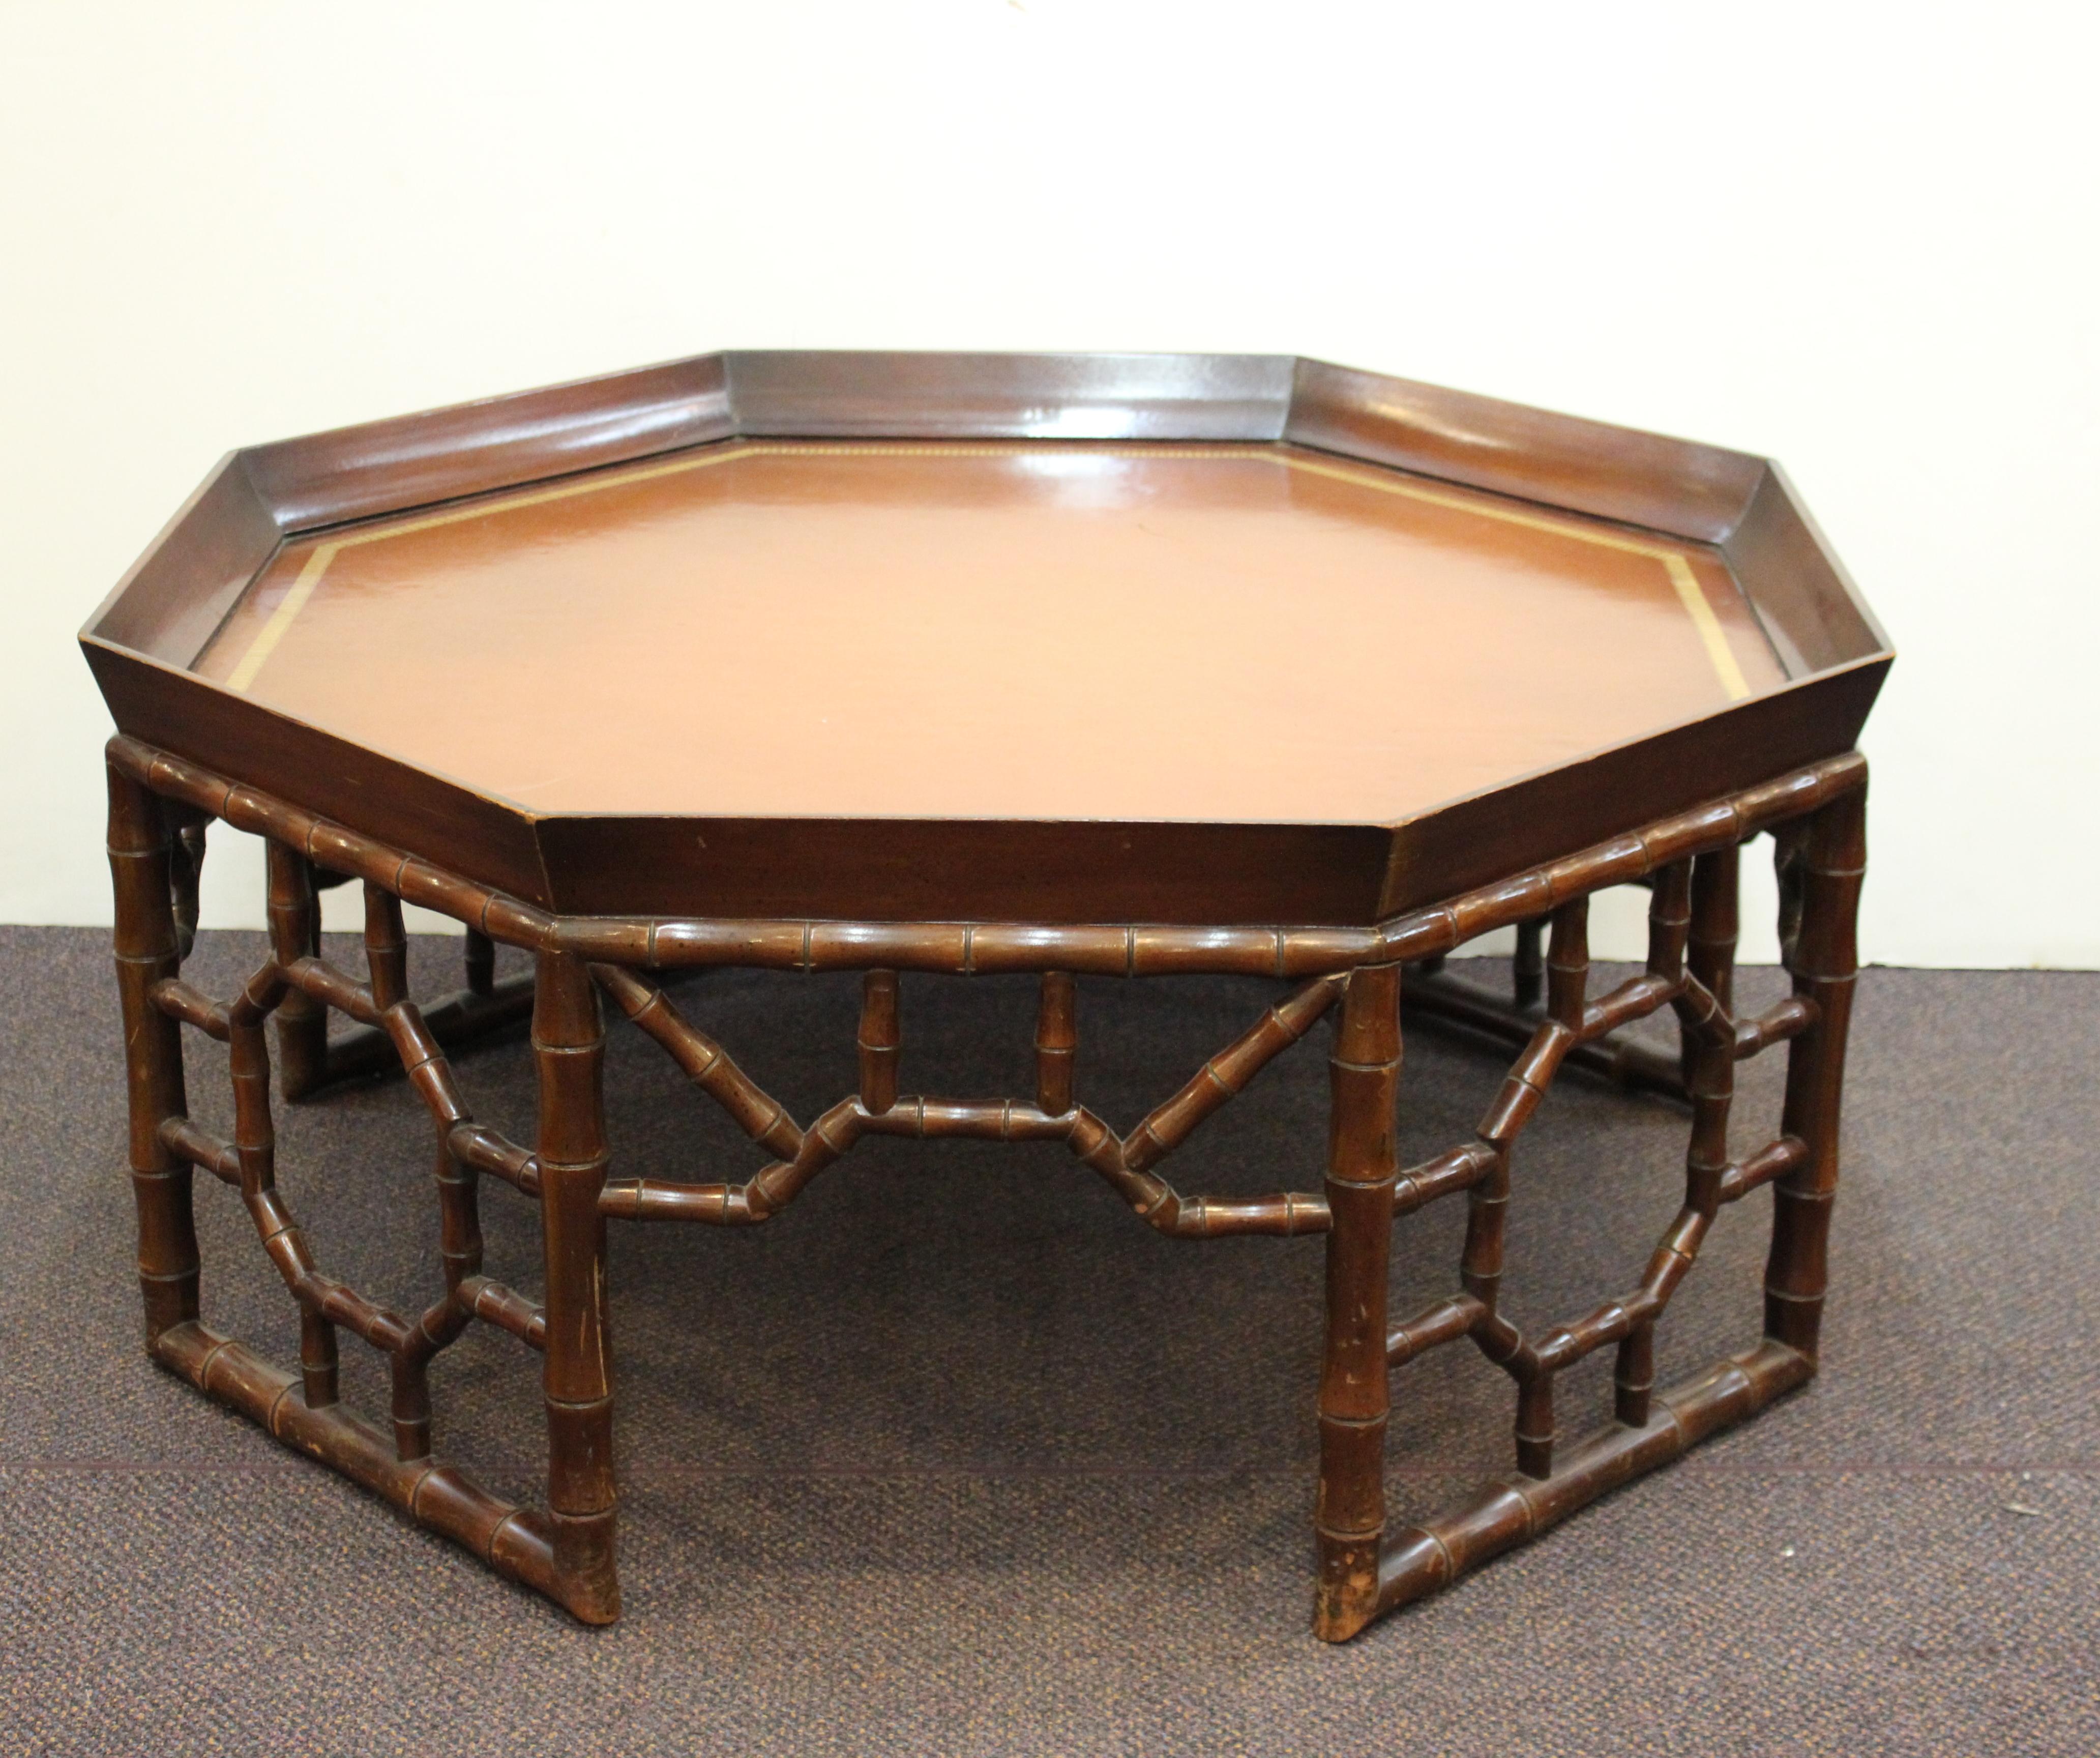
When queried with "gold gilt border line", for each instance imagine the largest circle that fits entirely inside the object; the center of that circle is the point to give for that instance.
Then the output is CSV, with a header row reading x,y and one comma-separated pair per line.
x,y
1711,635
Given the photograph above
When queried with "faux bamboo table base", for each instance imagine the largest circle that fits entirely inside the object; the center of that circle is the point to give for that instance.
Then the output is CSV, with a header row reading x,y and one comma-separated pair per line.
x,y
1368,1563
970,663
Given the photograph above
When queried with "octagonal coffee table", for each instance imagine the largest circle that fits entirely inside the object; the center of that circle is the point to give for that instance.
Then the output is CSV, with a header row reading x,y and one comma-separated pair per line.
x,y
1127,664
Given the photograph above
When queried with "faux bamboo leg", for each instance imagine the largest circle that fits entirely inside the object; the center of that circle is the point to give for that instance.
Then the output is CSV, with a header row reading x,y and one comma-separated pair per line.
x,y
1824,960
568,1045
295,933
1362,1166
146,952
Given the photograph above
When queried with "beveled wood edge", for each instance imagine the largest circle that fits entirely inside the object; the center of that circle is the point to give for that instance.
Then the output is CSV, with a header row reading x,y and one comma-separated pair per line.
x,y
907,869
1466,841
1699,493
965,948
819,394
536,856
446,454
1162,871
1810,607
1336,875
1743,504
1679,486
1333,874
223,532
158,705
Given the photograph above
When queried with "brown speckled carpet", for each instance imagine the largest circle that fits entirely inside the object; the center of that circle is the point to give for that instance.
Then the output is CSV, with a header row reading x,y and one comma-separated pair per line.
x,y
956,1457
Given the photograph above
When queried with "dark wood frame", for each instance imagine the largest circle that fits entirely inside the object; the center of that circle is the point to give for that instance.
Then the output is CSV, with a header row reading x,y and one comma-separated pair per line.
x,y
159,804
1357,917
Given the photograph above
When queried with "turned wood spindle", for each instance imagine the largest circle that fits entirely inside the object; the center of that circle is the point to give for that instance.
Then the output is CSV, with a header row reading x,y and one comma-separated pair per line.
x,y
386,947
1535,1433
881,1040
1056,1042
317,1359
1633,1376
301,1023
1568,963
1668,919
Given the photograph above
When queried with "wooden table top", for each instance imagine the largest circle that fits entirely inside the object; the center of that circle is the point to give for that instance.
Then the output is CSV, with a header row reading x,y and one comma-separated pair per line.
x,y
1215,633
1170,638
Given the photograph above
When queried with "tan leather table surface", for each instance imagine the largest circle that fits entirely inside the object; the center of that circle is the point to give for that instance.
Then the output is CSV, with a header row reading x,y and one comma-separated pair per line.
x,y
1035,629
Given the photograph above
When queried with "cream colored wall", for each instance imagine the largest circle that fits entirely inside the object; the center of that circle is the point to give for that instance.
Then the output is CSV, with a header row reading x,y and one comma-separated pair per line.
x,y
1860,238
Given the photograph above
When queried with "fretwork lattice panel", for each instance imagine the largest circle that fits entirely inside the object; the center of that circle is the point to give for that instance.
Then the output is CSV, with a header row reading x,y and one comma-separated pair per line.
x,y
1368,1564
